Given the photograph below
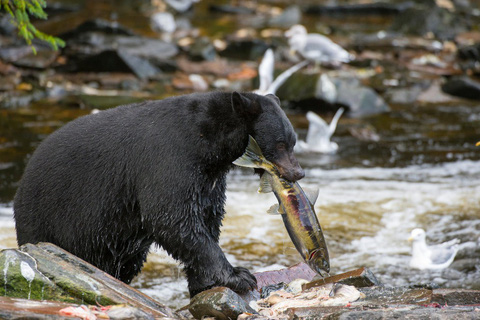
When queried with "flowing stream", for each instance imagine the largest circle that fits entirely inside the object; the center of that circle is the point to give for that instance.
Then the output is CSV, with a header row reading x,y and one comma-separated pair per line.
x,y
423,171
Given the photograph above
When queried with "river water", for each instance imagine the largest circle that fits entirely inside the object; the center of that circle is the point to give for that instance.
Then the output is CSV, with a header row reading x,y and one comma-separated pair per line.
x,y
422,172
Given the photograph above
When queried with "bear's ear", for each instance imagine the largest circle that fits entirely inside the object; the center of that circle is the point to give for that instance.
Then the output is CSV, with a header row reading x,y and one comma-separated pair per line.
x,y
244,106
273,97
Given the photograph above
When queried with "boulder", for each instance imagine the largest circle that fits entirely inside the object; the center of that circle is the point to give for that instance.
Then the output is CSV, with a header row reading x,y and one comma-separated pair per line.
x,y
221,303
463,87
100,47
322,93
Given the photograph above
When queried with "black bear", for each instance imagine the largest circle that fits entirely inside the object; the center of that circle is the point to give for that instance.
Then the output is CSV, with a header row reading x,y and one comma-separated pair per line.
x,y
106,186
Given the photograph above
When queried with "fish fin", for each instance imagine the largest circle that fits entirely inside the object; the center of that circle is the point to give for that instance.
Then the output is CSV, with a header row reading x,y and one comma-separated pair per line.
x,y
253,157
312,194
275,209
265,185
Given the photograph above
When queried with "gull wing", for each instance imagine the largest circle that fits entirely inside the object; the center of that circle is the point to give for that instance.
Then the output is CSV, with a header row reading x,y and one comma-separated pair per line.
x,y
265,71
441,255
282,77
333,125
318,130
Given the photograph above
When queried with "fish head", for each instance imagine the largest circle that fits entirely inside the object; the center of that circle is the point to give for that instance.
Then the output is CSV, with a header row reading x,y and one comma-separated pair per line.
x,y
276,138
319,262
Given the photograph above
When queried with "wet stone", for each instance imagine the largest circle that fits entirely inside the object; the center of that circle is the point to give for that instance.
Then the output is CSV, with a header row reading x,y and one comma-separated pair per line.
x,y
406,312
456,297
358,278
221,303
383,295
244,49
202,49
360,100
43,58
139,55
463,87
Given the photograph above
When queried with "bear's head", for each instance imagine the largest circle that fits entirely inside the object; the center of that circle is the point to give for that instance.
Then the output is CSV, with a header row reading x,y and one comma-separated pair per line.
x,y
270,127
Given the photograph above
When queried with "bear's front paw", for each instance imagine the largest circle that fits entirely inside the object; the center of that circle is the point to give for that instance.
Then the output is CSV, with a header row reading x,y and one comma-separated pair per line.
x,y
241,280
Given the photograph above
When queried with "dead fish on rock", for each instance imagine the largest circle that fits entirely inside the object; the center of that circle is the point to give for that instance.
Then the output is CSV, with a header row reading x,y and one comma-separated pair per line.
x,y
280,301
295,207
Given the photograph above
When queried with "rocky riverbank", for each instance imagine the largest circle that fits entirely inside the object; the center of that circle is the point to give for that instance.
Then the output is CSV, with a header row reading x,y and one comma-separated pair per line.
x,y
45,282
428,52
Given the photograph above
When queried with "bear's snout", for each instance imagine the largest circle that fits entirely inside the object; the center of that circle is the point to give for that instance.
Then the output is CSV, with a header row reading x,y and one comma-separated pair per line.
x,y
289,168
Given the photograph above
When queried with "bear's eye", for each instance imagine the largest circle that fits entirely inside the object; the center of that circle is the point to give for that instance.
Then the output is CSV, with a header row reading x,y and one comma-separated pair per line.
x,y
281,146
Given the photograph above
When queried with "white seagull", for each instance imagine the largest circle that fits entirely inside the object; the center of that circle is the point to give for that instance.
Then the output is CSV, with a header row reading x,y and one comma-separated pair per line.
x,y
316,47
437,257
319,134
265,73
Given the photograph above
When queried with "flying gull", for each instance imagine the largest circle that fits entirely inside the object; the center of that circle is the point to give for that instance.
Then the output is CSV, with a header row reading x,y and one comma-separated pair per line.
x,y
319,134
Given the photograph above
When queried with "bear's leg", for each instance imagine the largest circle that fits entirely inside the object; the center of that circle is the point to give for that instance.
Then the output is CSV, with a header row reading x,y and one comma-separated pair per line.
x,y
205,264
130,268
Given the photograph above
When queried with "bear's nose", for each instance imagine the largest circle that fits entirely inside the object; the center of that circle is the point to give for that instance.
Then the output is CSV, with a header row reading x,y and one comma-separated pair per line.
x,y
292,174
297,174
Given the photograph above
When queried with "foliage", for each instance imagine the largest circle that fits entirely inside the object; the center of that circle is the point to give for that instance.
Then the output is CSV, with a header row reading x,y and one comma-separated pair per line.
x,y
20,10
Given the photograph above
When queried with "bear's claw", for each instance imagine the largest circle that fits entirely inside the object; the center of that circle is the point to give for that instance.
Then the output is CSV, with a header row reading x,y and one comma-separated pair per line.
x,y
242,280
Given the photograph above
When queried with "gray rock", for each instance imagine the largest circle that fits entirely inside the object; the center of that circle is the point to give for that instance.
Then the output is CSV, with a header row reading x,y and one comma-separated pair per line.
x,y
140,55
221,303
202,49
321,93
456,297
290,16
360,100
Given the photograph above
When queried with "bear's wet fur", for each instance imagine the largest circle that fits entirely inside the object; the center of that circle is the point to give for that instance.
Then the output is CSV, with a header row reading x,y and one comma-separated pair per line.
x,y
106,186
